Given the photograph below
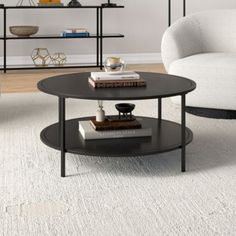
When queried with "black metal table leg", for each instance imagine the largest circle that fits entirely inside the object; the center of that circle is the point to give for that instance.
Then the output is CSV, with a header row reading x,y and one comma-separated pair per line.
x,y
62,134
183,134
4,40
170,12
97,40
101,38
184,7
159,108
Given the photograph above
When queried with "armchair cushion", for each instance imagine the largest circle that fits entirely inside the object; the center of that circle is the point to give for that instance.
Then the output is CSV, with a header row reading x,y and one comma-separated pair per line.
x,y
215,75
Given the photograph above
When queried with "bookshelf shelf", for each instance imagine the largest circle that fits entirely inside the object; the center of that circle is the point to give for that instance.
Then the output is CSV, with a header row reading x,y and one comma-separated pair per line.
x,y
57,36
58,7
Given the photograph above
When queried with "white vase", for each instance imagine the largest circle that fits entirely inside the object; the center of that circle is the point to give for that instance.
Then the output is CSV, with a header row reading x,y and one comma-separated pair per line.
x,y
100,115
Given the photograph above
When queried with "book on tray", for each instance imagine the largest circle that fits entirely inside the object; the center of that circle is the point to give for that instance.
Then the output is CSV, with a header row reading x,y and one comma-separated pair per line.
x,y
88,132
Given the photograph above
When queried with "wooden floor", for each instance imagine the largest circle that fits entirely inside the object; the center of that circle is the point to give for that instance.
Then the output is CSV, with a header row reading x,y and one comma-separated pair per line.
x,y
26,81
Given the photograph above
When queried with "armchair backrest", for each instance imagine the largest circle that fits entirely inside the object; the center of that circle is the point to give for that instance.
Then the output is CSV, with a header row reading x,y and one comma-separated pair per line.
x,y
218,30
208,31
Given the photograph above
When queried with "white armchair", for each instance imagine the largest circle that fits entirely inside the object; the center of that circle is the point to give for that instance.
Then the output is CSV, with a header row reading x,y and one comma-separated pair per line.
x,y
202,47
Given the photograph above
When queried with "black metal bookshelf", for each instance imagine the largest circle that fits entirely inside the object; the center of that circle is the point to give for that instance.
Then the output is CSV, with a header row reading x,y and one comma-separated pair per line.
x,y
99,36
169,10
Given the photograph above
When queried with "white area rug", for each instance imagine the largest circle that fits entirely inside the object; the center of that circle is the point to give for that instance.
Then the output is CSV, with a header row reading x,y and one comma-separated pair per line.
x,y
113,196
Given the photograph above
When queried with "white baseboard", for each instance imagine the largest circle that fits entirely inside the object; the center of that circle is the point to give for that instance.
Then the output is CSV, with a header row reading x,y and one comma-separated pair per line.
x,y
132,58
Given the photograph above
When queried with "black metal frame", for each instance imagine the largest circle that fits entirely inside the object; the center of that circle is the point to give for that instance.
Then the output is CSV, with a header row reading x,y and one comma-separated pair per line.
x,y
62,131
169,11
183,136
183,128
167,135
99,36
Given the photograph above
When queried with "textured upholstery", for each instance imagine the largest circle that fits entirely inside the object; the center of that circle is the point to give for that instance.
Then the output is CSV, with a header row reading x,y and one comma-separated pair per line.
x,y
182,39
202,47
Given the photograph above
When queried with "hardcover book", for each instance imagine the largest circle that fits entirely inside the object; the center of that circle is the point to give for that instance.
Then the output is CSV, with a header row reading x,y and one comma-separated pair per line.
x,y
67,35
50,4
75,30
113,123
121,75
89,133
49,1
117,83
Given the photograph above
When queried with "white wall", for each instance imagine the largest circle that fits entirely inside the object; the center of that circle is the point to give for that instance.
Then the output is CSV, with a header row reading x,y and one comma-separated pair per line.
x,y
142,21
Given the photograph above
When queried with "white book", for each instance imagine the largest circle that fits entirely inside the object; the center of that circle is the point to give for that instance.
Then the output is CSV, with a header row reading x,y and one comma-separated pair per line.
x,y
76,30
89,133
123,75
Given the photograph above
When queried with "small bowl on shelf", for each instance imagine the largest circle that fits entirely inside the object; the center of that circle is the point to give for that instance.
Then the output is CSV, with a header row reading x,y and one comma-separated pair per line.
x,y
125,107
23,31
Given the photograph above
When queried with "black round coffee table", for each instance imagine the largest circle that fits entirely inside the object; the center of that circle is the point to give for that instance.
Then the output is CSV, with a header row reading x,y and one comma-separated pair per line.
x,y
166,135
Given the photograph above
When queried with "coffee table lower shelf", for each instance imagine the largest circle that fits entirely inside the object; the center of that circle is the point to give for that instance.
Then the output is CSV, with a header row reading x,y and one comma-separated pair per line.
x,y
166,136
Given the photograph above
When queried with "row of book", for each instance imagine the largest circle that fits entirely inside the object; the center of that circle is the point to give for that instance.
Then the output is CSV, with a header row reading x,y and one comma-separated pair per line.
x,y
88,130
75,32
116,79
50,3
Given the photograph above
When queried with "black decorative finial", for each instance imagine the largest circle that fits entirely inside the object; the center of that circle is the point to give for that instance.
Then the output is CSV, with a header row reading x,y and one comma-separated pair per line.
x,y
74,3
109,4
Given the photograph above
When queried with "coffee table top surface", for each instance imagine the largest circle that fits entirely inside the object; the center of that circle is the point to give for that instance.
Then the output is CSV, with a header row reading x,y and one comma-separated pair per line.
x,y
77,86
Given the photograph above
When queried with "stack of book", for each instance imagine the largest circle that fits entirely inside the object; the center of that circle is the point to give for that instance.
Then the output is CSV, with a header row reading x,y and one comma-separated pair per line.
x,y
116,79
75,32
50,3
113,128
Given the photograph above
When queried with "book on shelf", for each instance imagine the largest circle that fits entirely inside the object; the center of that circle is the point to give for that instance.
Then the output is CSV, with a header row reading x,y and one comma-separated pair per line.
x,y
114,123
75,30
49,1
121,75
117,83
68,35
50,4
89,133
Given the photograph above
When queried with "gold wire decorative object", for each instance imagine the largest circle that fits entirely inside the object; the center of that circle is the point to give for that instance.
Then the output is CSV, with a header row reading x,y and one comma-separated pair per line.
x,y
21,2
41,57
59,59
